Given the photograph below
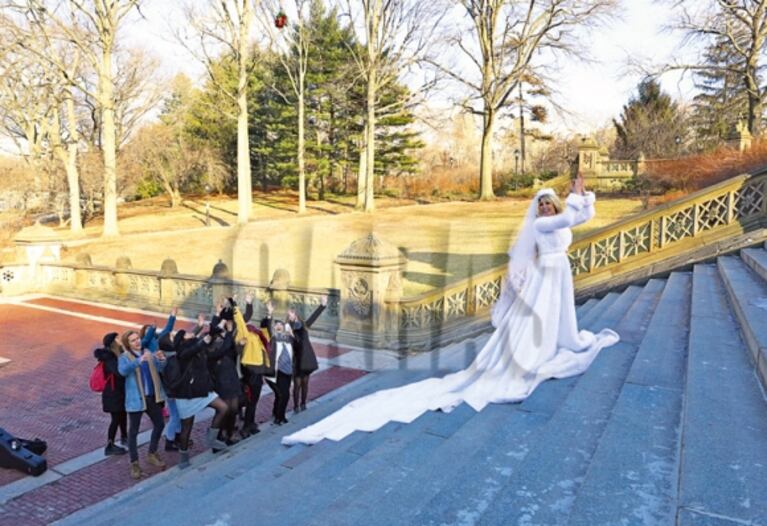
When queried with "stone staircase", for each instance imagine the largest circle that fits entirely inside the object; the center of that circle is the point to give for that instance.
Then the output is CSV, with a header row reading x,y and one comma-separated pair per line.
x,y
667,427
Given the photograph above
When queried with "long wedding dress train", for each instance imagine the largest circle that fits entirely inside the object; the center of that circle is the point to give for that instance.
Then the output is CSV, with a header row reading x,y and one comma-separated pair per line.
x,y
537,338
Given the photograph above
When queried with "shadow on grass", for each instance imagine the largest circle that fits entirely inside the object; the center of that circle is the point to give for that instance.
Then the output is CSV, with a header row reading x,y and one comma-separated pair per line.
x,y
452,267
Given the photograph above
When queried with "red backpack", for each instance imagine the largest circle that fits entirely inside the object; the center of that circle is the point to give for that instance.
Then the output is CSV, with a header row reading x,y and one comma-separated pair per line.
x,y
99,378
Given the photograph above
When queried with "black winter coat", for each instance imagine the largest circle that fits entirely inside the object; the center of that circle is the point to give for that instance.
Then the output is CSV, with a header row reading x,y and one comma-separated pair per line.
x,y
222,363
192,357
112,398
304,357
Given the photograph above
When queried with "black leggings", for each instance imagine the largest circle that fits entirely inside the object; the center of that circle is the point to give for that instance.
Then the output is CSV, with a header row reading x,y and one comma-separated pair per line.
x,y
230,421
119,419
222,412
254,381
300,389
154,410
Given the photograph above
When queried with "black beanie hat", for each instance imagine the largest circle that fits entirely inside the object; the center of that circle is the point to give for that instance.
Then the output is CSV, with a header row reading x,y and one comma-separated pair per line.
x,y
109,339
166,344
178,339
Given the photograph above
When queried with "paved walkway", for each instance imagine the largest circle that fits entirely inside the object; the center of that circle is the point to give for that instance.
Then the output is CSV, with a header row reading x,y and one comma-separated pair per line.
x,y
44,393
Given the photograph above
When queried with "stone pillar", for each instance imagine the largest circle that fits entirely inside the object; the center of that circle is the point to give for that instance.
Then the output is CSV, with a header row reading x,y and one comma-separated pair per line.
x,y
40,244
168,271
220,281
37,244
371,278
278,291
83,263
641,165
589,157
122,282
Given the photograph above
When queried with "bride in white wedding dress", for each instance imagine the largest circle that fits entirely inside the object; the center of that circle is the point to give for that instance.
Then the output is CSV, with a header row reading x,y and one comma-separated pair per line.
x,y
536,336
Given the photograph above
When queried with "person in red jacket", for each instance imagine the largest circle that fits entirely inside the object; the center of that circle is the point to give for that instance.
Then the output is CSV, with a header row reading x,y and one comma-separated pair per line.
x,y
113,395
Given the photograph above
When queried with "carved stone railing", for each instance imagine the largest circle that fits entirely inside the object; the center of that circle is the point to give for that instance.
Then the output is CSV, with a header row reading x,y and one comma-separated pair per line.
x,y
722,217
684,230
453,313
162,290
370,311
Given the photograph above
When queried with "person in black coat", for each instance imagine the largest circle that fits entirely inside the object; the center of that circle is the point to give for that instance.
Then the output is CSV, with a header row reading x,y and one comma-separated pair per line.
x,y
195,392
305,358
113,395
222,364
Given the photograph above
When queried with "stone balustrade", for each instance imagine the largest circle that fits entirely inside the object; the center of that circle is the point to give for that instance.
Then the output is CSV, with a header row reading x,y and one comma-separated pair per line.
x,y
369,309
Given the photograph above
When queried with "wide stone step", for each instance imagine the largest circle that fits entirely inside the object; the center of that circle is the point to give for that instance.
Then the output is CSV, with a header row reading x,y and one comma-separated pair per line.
x,y
366,482
543,490
478,459
747,290
617,309
633,474
584,309
495,472
422,470
724,430
598,309
264,450
756,258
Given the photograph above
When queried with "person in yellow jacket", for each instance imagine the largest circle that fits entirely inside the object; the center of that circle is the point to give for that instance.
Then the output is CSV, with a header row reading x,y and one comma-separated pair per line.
x,y
254,361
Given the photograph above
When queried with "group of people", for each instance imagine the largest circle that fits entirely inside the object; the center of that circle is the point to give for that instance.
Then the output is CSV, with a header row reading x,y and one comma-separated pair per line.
x,y
221,364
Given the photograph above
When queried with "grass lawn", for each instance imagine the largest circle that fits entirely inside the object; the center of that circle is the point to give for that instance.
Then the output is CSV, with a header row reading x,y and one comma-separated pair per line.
x,y
445,242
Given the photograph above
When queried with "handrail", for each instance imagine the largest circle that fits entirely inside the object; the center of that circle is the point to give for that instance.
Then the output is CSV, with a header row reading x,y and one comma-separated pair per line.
x,y
721,209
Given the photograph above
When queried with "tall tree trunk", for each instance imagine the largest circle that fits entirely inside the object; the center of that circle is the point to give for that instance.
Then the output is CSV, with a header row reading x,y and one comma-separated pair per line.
x,y
244,184
108,143
301,148
754,102
486,159
522,128
73,182
319,172
244,181
73,176
370,142
362,172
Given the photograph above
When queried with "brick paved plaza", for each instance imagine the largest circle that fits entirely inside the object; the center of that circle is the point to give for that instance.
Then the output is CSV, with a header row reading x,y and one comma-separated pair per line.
x,y
44,393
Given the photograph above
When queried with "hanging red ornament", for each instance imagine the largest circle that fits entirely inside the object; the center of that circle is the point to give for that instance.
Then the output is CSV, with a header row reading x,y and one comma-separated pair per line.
x,y
280,20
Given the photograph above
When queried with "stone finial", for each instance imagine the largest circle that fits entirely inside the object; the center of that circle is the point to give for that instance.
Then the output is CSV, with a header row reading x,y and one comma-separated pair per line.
x,y
123,263
84,259
220,270
588,142
280,280
168,267
371,251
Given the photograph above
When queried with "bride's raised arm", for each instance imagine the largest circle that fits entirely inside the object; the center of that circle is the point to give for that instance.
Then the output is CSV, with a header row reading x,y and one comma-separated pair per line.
x,y
579,209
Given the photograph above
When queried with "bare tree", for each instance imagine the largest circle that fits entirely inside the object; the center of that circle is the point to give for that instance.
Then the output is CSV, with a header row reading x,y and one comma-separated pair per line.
x,y
224,28
24,112
500,43
293,45
739,24
92,28
39,104
395,37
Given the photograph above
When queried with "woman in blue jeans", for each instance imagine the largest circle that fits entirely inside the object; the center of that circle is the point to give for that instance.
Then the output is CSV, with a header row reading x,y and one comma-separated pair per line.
x,y
144,393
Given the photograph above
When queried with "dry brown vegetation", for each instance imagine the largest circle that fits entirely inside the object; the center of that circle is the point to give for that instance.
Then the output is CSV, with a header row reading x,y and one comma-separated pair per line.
x,y
678,177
